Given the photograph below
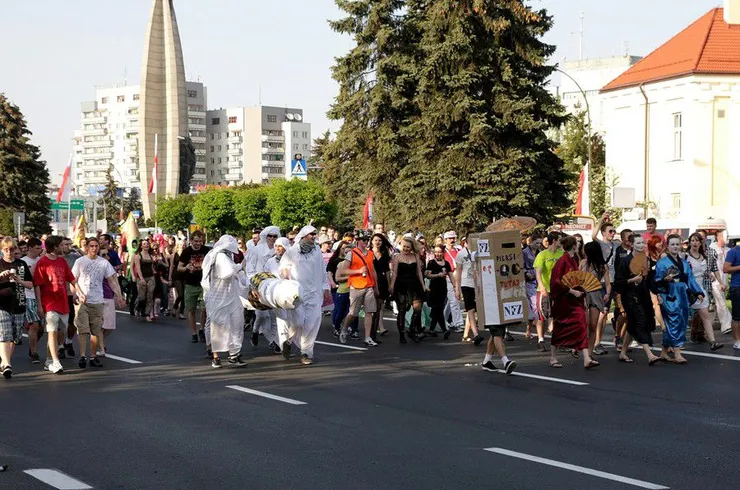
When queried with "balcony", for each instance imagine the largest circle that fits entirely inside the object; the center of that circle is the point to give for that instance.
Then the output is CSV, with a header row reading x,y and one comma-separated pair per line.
x,y
200,152
273,137
195,113
197,126
94,132
96,144
94,120
234,177
97,179
198,139
101,153
234,139
237,164
279,150
132,115
235,151
131,151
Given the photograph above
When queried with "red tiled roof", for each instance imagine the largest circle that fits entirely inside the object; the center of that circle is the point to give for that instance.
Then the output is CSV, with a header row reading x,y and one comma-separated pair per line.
x,y
709,46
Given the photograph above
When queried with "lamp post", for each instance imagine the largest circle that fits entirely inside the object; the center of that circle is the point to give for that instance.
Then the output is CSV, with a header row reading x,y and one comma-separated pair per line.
x,y
587,187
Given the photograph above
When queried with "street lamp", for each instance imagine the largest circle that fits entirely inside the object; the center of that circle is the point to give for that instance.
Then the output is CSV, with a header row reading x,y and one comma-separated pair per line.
x,y
587,188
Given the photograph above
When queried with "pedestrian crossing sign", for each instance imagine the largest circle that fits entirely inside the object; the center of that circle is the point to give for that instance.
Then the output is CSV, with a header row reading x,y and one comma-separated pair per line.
x,y
298,168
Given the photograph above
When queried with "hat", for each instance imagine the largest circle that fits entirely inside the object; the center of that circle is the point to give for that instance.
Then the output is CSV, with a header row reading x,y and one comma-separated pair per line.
x,y
283,242
450,234
324,239
464,239
362,235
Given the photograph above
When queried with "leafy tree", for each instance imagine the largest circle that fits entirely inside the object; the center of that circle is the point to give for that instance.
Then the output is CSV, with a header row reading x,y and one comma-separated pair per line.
x,y
598,189
250,206
131,203
214,210
175,213
25,177
573,150
110,203
479,145
187,164
7,227
298,202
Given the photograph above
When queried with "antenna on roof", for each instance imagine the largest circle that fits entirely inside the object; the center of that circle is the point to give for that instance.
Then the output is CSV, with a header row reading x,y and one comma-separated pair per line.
x,y
580,44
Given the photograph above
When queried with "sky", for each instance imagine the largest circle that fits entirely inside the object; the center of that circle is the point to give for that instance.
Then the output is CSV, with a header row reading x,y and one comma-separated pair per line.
x,y
56,52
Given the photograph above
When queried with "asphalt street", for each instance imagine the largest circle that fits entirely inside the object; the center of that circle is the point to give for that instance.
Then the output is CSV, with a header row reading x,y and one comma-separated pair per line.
x,y
157,416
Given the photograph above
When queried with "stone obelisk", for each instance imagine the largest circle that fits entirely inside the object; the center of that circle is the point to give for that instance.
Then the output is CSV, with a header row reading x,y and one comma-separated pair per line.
x,y
162,105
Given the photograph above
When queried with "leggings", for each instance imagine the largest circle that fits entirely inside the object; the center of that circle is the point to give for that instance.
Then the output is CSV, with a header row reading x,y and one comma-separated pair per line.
x,y
179,303
146,294
415,325
438,314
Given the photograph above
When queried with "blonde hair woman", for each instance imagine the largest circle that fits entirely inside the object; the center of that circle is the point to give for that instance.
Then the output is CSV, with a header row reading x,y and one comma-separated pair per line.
x,y
407,287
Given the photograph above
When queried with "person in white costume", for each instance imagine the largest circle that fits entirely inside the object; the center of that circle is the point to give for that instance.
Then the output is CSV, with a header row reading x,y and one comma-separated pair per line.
x,y
303,263
273,264
254,263
223,282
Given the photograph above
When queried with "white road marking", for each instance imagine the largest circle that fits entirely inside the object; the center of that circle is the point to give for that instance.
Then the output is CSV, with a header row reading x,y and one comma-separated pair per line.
x,y
352,347
25,335
578,469
57,479
688,353
122,359
522,334
545,378
121,311
266,395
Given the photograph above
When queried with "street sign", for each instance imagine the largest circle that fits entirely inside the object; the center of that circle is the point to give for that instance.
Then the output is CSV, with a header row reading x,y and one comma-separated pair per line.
x,y
77,205
136,214
19,218
298,168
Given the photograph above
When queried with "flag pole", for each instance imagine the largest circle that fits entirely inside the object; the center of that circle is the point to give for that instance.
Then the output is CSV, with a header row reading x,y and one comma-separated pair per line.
x,y
69,194
156,182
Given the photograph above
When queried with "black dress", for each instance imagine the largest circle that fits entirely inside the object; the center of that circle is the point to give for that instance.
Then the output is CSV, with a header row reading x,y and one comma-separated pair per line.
x,y
437,293
407,287
382,266
636,303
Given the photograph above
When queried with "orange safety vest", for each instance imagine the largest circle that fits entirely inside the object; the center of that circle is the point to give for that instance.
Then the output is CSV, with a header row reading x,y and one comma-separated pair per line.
x,y
357,263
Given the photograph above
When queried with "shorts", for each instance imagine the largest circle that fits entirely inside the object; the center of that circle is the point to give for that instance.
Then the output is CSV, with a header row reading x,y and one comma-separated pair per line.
x,y
496,330
360,297
89,319
735,300
468,295
109,314
531,290
71,302
193,297
608,303
543,307
56,321
11,326
32,313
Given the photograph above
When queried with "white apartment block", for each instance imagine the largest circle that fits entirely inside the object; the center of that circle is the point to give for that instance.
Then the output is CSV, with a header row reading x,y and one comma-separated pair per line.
x,y
109,135
254,144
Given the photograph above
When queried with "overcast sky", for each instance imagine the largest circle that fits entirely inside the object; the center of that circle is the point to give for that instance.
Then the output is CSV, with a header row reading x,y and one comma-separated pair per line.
x,y
56,51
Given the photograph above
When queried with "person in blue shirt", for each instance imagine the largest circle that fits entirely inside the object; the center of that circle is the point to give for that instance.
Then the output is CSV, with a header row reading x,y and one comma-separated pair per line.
x,y
732,266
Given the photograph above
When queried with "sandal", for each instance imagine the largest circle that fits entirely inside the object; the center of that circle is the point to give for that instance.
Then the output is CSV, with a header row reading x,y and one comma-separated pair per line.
x,y
625,359
666,359
654,361
592,364
574,353
555,365
680,361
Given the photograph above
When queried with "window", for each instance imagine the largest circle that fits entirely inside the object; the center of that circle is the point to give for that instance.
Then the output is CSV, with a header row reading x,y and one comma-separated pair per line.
x,y
212,137
295,134
676,201
104,100
136,96
219,147
677,136
219,159
295,146
213,173
271,118
215,121
305,147
212,160
305,134
212,148
219,135
232,119
192,94
121,98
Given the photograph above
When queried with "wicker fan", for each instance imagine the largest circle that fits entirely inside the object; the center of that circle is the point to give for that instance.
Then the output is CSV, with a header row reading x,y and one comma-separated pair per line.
x,y
639,264
583,280
521,223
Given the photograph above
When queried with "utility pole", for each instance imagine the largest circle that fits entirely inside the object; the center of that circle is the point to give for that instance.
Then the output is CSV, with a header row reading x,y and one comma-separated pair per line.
x,y
580,41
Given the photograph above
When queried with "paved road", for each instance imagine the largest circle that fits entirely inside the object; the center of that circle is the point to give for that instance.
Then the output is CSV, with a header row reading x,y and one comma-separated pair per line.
x,y
396,416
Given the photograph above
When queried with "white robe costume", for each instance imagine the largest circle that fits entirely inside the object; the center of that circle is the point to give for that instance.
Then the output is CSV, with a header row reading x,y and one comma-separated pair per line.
x,y
301,325
255,262
223,283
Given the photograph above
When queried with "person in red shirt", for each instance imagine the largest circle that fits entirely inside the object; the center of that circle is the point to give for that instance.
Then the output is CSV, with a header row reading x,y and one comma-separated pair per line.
x,y
452,308
651,224
50,280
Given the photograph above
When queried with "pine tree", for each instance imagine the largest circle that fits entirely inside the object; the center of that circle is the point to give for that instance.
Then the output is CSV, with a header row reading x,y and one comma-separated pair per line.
x,y
319,152
25,177
479,148
132,202
187,165
110,203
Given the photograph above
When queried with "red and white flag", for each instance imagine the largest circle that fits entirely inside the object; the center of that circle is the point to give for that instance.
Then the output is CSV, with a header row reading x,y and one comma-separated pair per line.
x,y
63,194
581,190
367,214
153,181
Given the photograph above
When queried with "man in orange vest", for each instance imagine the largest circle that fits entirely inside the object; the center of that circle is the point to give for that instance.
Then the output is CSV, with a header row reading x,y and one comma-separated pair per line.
x,y
363,287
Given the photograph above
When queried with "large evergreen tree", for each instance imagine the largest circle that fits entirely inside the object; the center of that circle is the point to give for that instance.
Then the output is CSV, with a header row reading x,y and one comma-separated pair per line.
x,y
110,203
187,165
479,146
24,177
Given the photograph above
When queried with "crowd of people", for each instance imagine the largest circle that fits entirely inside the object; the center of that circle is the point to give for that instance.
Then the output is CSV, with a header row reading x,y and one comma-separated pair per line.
x,y
649,281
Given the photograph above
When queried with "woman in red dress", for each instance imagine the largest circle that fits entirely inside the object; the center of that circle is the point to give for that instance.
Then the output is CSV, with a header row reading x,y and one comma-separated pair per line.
x,y
570,328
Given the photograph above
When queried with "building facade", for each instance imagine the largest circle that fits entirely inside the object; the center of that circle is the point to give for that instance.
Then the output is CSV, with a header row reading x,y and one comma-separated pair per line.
x,y
254,144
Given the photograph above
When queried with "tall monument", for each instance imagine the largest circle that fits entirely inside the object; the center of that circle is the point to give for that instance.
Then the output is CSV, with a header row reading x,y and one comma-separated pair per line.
x,y
162,105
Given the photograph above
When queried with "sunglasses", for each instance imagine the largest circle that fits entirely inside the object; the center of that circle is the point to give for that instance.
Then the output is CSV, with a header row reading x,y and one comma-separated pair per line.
x,y
271,236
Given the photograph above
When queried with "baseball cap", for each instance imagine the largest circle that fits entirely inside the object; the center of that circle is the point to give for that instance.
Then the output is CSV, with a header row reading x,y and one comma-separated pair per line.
x,y
450,234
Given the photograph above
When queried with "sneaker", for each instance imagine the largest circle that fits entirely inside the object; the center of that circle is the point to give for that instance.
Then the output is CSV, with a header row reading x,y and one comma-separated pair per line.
x,y
100,353
634,344
18,341
7,372
355,336
70,350
95,362
736,345
216,363
509,367
335,332
458,329
618,342
47,364
466,339
209,354
489,366
236,361
82,363
431,333
34,357
370,342
478,339
56,367
62,352
194,339
287,348
446,335
274,348
305,360
716,346
343,335
255,339
508,337
541,346
202,336
599,350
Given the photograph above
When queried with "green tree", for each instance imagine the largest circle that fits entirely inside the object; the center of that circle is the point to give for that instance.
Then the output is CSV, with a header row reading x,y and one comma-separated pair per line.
x,y
110,203
187,164
298,202
598,189
25,177
250,206
175,213
7,227
131,203
479,147
214,210
573,150
319,152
